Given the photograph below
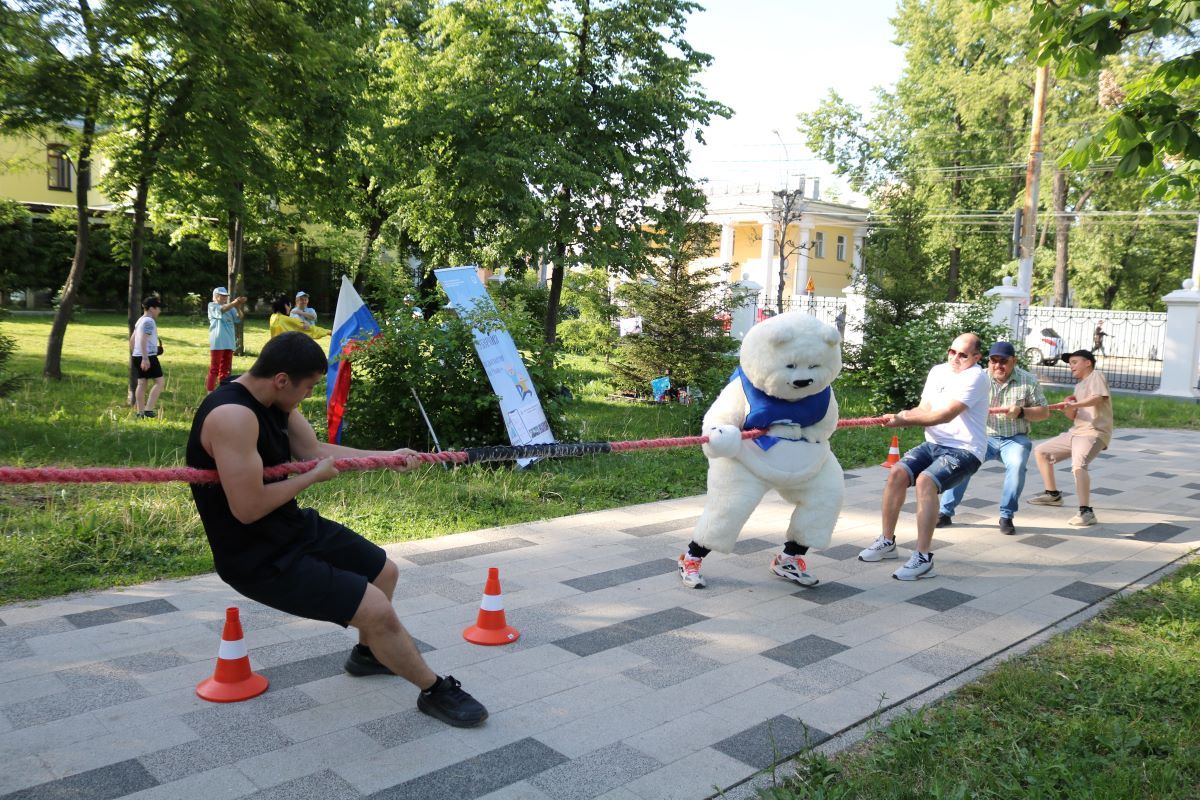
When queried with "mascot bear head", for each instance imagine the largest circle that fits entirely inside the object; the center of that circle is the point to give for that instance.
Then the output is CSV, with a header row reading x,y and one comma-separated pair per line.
x,y
791,356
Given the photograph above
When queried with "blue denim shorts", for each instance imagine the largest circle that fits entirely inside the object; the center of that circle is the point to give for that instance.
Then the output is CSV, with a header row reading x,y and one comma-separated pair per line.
x,y
945,466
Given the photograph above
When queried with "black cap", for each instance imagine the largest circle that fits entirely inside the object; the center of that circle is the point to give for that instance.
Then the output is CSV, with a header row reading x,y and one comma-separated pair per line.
x,y
1066,357
152,302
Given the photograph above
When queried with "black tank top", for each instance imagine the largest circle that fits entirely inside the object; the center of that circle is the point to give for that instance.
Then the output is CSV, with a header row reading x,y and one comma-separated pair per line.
x,y
244,552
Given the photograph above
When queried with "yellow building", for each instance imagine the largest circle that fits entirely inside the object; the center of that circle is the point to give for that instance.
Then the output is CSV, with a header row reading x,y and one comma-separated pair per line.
x,y
37,171
824,245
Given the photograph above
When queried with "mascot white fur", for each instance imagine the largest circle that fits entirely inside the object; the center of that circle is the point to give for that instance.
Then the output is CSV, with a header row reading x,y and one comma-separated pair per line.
x,y
783,384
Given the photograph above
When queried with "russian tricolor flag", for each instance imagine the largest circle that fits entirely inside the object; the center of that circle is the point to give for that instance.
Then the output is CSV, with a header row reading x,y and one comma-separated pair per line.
x,y
352,324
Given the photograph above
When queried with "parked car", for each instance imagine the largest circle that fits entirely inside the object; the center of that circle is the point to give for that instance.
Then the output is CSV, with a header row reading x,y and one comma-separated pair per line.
x,y
1043,349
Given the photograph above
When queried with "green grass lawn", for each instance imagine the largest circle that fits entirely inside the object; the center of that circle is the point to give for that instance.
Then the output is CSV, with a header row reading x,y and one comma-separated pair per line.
x,y
1108,711
56,539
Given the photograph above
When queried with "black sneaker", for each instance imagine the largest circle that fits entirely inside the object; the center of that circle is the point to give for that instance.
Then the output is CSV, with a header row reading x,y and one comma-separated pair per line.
x,y
149,412
362,662
1006,526
449,703
943,521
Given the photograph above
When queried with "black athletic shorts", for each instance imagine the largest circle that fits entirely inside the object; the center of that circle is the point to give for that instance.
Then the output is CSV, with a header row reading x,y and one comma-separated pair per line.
x,y
155,370
326,581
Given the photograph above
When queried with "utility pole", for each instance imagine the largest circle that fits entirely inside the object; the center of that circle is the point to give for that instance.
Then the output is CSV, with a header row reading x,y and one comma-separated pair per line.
x,y
1033,172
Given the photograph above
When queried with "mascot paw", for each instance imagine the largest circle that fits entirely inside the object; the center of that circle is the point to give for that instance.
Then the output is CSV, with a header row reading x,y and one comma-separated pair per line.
x,y
724,441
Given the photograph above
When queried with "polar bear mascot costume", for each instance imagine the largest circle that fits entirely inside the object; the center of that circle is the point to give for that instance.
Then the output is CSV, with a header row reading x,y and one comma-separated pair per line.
x,y
783,385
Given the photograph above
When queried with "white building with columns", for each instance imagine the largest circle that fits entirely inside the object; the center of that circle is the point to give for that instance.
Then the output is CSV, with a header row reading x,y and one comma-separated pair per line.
x,y
824,245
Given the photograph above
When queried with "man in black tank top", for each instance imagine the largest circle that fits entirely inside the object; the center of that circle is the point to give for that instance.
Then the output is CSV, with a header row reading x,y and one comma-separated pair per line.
x,y
269,549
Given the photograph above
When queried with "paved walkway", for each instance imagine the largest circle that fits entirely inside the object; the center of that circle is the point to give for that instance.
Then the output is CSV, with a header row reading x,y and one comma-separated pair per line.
x,y
623,685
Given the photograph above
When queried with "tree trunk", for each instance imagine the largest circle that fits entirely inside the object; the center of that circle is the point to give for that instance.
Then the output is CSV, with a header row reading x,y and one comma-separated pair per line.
x,y
235,238
83,178
953,273
1062,234
136,257
550,332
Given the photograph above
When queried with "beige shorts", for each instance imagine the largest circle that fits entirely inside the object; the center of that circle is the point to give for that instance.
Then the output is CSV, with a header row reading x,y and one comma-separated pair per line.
x,y
1082,449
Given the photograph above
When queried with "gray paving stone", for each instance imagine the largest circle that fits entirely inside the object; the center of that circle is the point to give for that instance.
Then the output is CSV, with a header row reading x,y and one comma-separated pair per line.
x,y
819,678
978,502
215,750
144,663
404,726
469,551
1084,592
1191,486
1042,540
826,593
616,577
685,664
105,783
621,633
666,526
218,718
293,650
479,775
963,618
805,651
840,552
1161,475
943,660
940,599
748,546
771,742
325,785
286,676
106,616
911,544
666,646
842,611
21,631
1159,532
87,689
13,649
595,773
1106,491
1129,437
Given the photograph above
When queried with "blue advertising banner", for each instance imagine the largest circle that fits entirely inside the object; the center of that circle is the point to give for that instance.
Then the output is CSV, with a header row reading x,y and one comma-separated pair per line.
x,y
519,403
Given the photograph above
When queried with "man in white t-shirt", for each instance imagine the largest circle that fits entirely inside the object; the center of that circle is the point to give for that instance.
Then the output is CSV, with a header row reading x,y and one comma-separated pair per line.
x,y
953,410
144,357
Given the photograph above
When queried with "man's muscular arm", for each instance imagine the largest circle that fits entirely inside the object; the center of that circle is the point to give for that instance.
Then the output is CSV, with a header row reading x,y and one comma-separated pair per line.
x,y
229,435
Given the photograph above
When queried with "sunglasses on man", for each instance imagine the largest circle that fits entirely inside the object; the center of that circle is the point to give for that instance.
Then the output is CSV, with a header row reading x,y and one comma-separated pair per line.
x,y
958,353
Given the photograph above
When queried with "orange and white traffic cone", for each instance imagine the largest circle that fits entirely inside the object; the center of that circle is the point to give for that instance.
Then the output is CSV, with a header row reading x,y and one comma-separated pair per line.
x,y
233,679
490,626
893,453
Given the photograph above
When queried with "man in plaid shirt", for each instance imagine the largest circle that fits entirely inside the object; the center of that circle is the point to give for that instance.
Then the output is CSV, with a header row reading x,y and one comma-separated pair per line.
x,y
1018,393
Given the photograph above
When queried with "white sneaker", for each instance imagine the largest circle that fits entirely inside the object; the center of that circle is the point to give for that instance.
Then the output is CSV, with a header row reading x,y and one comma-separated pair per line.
x,y
1083,519
1045,499
915,568
793,568
689,571
879,550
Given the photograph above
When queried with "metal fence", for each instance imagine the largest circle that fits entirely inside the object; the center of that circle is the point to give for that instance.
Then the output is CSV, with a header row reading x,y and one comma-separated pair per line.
x,y
1129,352
826,309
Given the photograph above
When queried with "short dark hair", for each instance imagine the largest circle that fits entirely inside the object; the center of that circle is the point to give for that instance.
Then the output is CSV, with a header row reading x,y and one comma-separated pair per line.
x,y
294,353
280,305
151,302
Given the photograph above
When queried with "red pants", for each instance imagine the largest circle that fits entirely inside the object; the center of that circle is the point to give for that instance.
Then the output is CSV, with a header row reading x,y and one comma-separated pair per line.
x,y
219,364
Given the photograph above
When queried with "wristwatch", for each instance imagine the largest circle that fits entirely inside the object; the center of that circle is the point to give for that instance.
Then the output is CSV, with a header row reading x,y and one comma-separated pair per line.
x,y
1021,413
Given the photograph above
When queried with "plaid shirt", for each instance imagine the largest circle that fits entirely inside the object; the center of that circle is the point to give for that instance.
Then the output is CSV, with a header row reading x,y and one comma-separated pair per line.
x,y
1022,389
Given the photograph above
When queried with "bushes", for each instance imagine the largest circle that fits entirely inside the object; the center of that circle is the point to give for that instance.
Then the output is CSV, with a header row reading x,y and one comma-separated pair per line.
x,y
892,364
7,347
437,359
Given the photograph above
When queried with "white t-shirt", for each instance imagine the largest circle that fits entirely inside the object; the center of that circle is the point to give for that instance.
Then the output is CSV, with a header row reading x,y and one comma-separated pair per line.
x,y
967,431
148,326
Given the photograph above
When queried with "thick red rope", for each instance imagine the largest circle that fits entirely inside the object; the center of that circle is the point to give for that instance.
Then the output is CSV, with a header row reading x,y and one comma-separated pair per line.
x,y
188,475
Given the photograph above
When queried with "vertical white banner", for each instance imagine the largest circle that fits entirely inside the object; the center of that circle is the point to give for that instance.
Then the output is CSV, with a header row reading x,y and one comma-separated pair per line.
x,y
519,404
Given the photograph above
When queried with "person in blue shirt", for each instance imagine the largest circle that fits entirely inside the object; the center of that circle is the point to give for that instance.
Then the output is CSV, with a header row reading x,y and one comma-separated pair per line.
x,y
223,314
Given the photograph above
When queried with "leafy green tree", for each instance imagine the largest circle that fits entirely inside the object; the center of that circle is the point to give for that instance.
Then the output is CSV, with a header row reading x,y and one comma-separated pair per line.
x,y
1152,127
55,54
682,310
